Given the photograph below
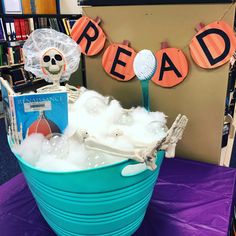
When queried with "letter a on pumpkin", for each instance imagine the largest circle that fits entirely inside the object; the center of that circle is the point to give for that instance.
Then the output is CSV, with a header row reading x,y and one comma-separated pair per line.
x,y
172,68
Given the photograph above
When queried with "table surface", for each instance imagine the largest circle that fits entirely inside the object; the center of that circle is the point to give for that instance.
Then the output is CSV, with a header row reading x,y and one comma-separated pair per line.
x,y
190,198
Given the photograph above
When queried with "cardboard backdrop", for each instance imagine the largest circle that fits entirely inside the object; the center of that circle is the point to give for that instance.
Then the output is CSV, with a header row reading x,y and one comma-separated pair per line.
x,y
201,96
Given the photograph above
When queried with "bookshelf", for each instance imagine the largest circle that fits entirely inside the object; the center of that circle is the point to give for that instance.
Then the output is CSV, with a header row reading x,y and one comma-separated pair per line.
x,y
226,152
230,116
10,66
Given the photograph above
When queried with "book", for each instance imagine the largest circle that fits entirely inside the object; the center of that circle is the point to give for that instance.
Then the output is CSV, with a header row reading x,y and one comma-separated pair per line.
x,y
27,28
8,28
31,24
2,31
36,23
66,26
21,55
10,55
17,29
17,55
51,23
5,57
12,6
61,26
45,22
34,113
14,54
71,23
56,25
23,29
13,30
42,22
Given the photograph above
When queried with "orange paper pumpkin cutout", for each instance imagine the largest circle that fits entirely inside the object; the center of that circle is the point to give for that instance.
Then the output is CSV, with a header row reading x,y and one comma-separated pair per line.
x,y
89,35
213,45
172,67
118,60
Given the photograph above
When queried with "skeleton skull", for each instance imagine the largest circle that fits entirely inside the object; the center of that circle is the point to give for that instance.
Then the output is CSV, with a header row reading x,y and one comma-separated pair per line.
x,y
53,63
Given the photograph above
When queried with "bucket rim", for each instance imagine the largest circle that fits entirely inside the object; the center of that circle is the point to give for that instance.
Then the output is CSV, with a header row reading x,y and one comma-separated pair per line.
x,y
19,158
67,172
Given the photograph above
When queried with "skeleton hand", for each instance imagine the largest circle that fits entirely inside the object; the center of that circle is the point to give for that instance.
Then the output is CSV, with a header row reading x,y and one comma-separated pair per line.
x,y
150,156
73,93
174,134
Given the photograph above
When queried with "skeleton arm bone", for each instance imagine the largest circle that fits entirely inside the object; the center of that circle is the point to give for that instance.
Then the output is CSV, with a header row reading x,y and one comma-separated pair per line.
x,y
147,155
144,155
94,144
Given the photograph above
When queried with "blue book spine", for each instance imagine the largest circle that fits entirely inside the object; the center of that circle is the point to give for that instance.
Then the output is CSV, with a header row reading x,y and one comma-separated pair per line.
x,y
2,32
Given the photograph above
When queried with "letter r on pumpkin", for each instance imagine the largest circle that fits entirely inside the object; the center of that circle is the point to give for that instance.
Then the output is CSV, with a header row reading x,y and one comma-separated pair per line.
x,y
89,38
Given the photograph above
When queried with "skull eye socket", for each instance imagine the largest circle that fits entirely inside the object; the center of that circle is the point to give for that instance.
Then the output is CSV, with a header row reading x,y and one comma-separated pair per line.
x,y
58,57
46,58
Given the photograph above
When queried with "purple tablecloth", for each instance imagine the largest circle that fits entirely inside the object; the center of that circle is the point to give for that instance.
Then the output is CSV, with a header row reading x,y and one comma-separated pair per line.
x,y
190,199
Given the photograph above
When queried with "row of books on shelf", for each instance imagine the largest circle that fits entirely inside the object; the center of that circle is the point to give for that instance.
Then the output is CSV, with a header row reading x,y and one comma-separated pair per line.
x,y
18,76
30,6
20,29
10,55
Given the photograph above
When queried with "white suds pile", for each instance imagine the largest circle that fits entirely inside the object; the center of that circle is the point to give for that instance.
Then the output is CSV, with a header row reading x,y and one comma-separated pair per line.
x,y
93,115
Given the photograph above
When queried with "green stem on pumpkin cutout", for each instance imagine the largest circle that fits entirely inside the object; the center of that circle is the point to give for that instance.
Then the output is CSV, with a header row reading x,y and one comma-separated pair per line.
x,y
145,92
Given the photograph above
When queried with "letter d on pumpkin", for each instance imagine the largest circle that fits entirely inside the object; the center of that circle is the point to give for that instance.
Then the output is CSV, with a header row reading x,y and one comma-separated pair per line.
x,y
213,45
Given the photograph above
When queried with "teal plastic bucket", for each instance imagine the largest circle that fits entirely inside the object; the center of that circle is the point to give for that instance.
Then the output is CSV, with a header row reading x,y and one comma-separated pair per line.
x,y
97,201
